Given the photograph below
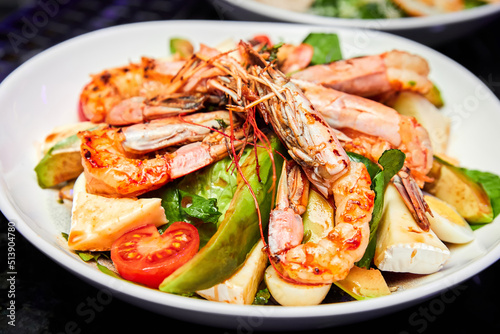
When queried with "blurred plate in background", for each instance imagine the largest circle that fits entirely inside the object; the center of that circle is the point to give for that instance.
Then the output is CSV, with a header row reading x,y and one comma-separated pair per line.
x,y
429,30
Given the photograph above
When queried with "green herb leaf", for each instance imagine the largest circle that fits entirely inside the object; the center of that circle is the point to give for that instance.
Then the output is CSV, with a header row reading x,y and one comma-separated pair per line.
x,y
87,256
109,272
262,297
371,167
221,123
201,208
391,161
273,51
326,47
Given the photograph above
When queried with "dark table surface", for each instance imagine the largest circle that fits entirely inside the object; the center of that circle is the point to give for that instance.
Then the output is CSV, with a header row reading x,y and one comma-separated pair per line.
x,y
47,296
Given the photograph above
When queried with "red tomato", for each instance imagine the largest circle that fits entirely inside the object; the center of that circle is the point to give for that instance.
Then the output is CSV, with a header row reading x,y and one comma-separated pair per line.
x,y
263,39
144,256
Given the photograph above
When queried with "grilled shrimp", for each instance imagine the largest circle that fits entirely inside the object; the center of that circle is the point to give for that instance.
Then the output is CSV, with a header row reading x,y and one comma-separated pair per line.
x,y
312,144
111,171
178,130
155,88
372,76
331,258
133,83
373,128
309,140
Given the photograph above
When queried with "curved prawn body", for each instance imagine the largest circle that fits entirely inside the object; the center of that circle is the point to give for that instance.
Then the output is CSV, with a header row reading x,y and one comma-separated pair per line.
x,y
373,127
331,258
133,83
169,131
318,158
310,141
372,76
112,171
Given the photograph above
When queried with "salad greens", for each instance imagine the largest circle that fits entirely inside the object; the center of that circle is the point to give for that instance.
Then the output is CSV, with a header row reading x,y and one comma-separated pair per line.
x,y
360,9
202,196
391,161
326,47
262,297
239,230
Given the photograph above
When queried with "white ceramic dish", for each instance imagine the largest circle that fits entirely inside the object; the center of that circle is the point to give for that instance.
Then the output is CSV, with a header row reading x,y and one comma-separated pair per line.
x,y
44,92
430,30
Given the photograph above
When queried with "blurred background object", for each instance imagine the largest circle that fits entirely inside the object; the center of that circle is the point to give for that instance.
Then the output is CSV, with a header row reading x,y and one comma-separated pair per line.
x,y
383,15
28,27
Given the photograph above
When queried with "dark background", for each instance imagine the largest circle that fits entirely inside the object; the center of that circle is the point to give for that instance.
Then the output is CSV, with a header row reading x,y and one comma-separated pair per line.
x,y
47,296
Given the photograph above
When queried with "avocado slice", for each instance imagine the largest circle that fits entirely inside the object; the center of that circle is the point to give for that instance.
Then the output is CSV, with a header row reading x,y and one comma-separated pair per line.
x,y
453,186
182,47
62,162
434,96
238,232
318,221
364,283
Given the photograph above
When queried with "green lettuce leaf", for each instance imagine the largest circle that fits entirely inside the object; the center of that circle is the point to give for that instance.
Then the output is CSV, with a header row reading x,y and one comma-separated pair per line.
x,y
210,191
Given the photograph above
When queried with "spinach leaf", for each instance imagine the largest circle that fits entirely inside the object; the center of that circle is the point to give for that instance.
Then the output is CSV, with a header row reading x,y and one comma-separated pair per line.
x,y
371,167
200,207
171,202
262,297
326,47
197,207
391,161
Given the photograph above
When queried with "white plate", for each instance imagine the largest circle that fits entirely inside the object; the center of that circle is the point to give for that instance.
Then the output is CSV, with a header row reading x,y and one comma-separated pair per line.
x,y
429,30
44,92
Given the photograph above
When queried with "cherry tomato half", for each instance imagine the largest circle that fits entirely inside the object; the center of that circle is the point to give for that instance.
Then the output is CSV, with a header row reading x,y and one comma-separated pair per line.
x,y
263,39
144,256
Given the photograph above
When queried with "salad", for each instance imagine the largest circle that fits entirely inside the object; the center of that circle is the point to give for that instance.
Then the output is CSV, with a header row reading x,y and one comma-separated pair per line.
x,y
376,9
268,173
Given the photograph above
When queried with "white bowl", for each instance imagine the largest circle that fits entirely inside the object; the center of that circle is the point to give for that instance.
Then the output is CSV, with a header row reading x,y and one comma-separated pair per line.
x,y
44,91
428,30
